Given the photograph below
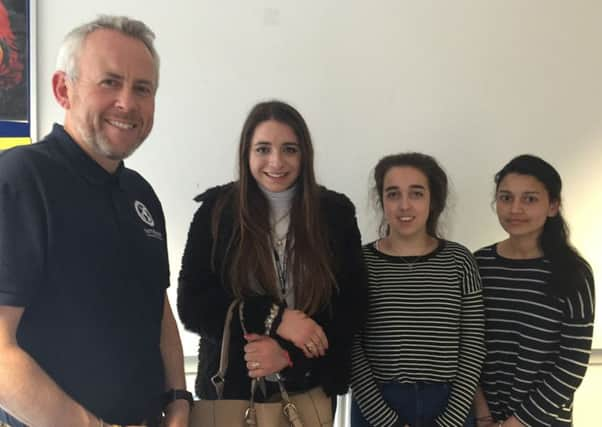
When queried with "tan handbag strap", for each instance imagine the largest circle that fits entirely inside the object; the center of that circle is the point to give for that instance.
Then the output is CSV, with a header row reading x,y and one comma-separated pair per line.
x,y
219,377
288,408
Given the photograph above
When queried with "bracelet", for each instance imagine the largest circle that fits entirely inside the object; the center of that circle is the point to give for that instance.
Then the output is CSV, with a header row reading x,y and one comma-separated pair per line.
x,y
269,321
241,315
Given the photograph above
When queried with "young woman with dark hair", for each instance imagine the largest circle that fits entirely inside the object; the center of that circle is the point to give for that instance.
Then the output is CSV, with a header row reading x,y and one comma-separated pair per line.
x,y
539,304
418,358
290,250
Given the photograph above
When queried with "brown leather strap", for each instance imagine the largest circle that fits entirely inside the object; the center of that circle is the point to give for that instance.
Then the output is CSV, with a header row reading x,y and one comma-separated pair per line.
x,y
218,378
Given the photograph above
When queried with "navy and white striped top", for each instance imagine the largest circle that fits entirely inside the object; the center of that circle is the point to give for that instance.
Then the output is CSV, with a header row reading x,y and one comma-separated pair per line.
x,y
425,323
538,345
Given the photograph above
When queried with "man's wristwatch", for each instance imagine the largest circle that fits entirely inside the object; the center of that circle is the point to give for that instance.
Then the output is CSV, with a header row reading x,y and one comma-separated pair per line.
x,y
176,394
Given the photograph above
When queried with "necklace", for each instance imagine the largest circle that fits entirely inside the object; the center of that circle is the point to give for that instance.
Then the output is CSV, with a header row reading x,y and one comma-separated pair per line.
x,y
278,240
281,270
415,259
411,264
279,220
280,251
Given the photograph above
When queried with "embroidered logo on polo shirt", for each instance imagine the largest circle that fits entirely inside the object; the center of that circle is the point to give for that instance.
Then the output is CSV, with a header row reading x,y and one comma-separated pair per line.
x,y
144,213
147,218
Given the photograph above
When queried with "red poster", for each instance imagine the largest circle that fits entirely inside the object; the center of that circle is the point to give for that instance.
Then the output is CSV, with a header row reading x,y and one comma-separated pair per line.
x,y
15,73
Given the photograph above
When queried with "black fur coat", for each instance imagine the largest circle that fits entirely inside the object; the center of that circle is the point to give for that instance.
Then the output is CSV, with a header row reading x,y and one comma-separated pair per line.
x,y
203,300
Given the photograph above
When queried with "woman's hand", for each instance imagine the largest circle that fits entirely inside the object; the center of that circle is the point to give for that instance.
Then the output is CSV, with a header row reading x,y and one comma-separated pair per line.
x,y
264,356
304,332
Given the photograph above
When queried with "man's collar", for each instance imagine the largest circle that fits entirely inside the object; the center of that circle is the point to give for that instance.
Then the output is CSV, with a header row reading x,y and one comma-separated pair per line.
x,y
81,161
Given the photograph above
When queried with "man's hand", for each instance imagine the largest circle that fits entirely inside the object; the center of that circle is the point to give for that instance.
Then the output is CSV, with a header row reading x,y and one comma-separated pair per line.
x,y
177,414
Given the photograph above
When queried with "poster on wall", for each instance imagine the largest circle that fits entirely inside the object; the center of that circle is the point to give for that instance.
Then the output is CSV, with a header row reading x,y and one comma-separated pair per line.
x,y
17,91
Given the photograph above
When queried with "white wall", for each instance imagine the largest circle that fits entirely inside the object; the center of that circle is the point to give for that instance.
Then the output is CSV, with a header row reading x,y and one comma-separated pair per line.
x,y
587,398
470,82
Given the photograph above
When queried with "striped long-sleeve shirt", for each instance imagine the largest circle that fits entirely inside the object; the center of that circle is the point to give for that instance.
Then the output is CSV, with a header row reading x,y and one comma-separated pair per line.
x,y
538,345
425,323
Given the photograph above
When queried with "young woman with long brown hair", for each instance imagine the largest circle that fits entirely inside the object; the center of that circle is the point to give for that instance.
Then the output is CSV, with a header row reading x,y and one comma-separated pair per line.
x,y
290,250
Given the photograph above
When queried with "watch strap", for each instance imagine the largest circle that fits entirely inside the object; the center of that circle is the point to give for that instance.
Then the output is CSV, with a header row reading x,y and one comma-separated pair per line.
x,y
176,394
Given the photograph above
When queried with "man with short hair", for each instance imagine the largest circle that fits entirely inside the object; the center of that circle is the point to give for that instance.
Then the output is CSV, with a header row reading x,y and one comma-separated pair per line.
x,y
87,335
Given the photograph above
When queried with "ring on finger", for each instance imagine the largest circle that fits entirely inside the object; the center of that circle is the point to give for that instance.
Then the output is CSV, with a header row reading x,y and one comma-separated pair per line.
x,y
310,347
254,365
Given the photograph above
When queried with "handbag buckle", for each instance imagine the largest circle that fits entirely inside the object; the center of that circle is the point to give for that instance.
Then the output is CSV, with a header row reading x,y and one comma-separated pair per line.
x,y
218,382
292,413
217,379
250,416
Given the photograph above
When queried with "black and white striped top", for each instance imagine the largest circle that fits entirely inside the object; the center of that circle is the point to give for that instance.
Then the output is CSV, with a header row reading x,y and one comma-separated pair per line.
x,y
538,346
425,323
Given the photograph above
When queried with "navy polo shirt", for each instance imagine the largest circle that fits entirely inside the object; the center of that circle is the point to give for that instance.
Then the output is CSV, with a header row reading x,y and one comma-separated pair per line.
x,y
84,252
